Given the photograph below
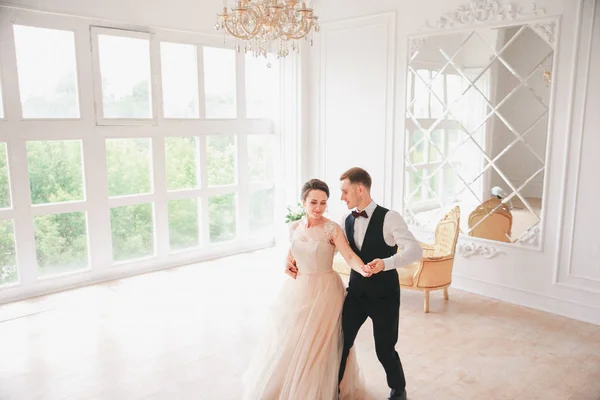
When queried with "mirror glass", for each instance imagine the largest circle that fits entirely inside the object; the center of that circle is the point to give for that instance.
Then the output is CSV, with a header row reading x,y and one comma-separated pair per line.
x,y
476,130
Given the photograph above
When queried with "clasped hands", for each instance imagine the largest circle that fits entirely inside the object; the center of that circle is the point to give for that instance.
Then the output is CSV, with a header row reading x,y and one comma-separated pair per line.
x,y
373,267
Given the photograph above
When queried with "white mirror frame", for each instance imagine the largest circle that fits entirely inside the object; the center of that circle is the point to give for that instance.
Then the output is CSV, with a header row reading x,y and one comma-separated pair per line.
x,y
485,14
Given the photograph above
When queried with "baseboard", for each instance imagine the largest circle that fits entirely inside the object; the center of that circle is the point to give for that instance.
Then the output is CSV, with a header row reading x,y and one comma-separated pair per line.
x,y
553,305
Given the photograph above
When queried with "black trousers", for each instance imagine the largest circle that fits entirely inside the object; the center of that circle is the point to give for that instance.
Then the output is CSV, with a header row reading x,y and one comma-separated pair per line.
x,y
384,312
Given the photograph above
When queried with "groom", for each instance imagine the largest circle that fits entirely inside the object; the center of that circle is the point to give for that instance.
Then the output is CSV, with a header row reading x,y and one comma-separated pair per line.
x,y
375,234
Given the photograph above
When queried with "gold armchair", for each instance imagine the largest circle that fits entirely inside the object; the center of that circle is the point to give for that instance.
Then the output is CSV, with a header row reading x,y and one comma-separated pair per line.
x,y
434,270
497,221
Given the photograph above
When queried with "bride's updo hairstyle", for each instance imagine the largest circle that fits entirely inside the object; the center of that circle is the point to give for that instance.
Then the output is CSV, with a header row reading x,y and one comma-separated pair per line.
x,y
314,184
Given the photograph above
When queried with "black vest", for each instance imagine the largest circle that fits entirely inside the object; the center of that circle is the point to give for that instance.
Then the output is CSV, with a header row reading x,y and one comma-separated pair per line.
x,y
373,246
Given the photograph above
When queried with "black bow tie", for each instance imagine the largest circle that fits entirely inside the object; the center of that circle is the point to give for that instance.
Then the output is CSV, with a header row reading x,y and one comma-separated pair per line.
x,y
357,214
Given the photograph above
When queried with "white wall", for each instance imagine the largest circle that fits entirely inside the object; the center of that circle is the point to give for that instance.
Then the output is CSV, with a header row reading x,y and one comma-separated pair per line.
x,y
362,92
355,99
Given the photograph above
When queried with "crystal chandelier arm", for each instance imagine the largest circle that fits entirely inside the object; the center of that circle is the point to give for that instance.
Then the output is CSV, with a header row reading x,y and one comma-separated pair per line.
x,y
234,33
255,13
302,31
234,28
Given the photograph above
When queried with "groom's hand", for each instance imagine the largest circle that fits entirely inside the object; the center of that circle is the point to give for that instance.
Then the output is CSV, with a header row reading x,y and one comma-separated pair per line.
x,y
376,266
291,268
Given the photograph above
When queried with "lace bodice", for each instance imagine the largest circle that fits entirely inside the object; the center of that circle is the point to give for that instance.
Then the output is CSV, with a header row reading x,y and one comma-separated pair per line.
x,y
313,247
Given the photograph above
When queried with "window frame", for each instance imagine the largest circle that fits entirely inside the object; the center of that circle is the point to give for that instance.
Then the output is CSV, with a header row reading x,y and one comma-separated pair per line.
x,y
155,93
93,130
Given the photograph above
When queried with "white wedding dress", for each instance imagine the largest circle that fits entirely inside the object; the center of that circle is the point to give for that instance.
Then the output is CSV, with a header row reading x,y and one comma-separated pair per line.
x,y
299,355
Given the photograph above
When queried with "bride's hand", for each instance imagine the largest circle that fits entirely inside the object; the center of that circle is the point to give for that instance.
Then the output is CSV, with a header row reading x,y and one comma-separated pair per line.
x,y
364,271
291,269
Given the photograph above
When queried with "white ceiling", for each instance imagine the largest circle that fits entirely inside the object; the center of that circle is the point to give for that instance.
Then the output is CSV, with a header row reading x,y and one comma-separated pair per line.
x,y
195,15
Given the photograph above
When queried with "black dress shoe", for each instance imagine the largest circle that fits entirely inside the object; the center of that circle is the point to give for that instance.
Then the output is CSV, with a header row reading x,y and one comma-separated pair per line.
x,y
397,395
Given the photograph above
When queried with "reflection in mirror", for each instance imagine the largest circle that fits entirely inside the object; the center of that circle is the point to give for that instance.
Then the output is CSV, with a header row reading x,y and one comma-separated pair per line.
x,y
476,130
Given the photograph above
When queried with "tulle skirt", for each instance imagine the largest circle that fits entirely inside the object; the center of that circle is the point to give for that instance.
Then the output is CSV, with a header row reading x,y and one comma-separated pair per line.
x,y
299,353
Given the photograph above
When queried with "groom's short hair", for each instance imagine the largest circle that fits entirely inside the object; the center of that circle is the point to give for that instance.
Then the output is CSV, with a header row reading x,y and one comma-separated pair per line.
x,y
357,175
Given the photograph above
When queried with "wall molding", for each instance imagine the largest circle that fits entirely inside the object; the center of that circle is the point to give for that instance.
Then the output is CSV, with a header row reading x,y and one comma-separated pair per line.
x,y
484,11
472,249
526,298
532,236
546,31
563,272
387,19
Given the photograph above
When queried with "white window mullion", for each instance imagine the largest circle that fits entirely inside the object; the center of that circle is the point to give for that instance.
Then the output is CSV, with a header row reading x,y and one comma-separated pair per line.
x,y
84,67
10,77
204,238
158,167
93,149
242,202
96,76
221,190
201,96
96,184
155,80
58,208
240,78
184,194
160,204
23,223
243,197
131,200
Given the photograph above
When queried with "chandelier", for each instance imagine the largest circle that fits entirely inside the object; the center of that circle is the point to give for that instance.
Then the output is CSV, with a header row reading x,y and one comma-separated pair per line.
x,y
265,27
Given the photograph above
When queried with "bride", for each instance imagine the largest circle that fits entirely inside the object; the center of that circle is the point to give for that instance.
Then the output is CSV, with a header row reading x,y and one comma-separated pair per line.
x,y
299,355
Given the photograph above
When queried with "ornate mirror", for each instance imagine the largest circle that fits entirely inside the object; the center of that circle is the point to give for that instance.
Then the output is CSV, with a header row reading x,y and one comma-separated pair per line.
x,y
478,106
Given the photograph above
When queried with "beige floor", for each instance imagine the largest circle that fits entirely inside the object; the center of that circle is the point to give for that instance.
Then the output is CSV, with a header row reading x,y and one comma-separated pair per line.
x,y
187,333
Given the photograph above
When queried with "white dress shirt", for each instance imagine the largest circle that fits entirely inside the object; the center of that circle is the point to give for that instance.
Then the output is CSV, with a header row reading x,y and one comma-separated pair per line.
x,y
395,232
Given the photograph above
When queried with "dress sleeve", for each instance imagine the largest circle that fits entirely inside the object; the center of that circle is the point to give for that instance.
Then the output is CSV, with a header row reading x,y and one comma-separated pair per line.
x,y
331,230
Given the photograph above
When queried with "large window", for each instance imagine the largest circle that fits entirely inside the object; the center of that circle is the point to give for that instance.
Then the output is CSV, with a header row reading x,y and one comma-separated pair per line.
x,y
133,149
